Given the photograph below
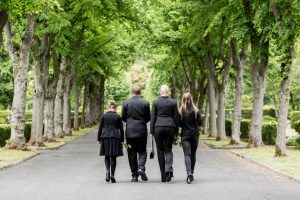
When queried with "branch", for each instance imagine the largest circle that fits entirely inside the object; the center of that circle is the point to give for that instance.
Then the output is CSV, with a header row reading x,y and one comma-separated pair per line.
x,y
275,10
28,37
3,20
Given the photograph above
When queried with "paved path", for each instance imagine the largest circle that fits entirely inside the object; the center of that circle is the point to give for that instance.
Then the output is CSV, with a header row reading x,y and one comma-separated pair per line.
x,y
76,172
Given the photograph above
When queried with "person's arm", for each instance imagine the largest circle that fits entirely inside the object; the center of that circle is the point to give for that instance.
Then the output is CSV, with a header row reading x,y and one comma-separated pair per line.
x,y
176,117
124,112
121,130
153,118
147,112
100,129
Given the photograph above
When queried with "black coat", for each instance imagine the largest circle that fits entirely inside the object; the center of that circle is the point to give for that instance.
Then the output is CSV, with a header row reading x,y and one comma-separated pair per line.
x,y
190,122
111,126
136,114
164,114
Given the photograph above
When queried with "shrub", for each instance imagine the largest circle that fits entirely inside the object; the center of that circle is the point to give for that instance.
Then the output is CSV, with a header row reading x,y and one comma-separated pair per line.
x,y
297,126
247,113
5,133
268,130
295,117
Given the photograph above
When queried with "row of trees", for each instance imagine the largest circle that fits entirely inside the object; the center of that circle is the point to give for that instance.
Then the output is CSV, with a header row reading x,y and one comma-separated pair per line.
x,y
203,44
72,47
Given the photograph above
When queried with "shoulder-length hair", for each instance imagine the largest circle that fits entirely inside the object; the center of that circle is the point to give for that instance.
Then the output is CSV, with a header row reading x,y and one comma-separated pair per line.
x,y
187,100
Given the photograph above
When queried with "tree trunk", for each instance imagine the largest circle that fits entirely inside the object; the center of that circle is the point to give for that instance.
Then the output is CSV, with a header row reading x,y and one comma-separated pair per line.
x,y
20,61
102,98
286,67
3,20
58,107
239,62
49,119
87,104
259,85
67,106
76,104
38,106
205,121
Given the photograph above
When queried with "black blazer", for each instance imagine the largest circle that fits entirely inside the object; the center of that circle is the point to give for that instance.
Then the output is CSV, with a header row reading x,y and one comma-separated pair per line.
x,y
190,123
136,114
111,126
164,114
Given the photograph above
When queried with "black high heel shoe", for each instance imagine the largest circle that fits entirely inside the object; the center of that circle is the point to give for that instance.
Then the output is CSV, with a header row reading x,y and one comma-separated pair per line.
x,y
107,178
113,180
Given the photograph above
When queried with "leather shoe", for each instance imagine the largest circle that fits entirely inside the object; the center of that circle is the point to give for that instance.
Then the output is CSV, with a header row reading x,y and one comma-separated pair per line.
x,y
143,175
134,179
113,180
169,177
107,178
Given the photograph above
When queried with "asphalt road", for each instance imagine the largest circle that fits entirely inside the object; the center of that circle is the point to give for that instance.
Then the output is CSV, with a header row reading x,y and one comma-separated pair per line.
x,y
75,171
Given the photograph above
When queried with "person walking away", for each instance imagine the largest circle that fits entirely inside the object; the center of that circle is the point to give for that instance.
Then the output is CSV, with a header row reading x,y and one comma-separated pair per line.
x,y
136,114
190,120
164,127
111,138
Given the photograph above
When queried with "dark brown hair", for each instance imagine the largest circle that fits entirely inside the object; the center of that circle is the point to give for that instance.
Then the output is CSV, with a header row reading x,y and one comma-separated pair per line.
x,y
112,104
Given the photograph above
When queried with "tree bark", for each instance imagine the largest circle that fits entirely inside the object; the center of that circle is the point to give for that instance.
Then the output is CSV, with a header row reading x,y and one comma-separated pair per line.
x,y
67,129
76,104
20,60
258,72
205,121
3,20
87,104
239,62
49,119
58,107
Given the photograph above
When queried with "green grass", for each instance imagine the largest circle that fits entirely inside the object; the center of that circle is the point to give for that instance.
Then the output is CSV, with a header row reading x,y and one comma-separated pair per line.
x,y
265,155
221,143
75,134
8,157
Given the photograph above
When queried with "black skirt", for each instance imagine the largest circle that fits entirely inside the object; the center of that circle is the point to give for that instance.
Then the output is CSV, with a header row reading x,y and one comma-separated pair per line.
x,y
111,147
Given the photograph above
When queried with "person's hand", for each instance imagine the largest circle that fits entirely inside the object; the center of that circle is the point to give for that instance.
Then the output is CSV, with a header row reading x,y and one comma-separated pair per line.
x,y
99,142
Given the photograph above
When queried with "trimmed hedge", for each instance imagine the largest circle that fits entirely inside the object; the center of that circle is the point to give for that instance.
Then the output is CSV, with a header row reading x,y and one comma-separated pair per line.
x,y
295,120
268,130
247,112
5,133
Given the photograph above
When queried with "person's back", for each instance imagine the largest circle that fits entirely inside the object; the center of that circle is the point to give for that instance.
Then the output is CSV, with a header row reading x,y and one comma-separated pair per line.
x,y
190,122
136,114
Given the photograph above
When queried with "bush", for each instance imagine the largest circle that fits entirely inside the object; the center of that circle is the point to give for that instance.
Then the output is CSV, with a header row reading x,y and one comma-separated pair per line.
x,y
297,126
247,113
268,130
5,133
293,141
295,118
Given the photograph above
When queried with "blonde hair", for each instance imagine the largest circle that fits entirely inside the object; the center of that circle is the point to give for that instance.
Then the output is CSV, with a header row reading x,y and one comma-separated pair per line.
x,y
187,99
112,104
164,89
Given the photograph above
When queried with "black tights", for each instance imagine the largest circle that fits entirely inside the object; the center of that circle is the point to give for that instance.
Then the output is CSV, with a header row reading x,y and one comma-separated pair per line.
x,y
111,163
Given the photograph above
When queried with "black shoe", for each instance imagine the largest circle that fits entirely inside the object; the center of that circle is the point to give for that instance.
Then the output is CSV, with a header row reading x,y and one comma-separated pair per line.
x,y
192,177
113,180
107,178
143,175
169,177
134,179
188,179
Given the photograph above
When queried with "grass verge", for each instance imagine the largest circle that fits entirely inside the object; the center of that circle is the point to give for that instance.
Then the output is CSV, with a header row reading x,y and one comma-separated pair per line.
x,y
222,144
11,157
75,135
265,155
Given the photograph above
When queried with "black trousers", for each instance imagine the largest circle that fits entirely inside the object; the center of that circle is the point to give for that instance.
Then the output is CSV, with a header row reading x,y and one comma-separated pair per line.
x,y
137,154
164,137
190,145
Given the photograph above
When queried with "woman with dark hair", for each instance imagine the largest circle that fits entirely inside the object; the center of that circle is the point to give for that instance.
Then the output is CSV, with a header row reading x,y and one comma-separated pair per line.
x,y
190,120
111,137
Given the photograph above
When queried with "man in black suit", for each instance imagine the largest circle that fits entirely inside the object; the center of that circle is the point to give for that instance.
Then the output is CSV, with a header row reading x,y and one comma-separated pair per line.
x,y
164,126
136,114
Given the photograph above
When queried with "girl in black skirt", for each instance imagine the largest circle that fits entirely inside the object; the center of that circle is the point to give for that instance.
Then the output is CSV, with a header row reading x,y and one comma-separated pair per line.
x,y
111,137
190,122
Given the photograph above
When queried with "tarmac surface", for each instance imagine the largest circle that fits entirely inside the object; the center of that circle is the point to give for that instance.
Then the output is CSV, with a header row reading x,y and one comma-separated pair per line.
x,y
76,172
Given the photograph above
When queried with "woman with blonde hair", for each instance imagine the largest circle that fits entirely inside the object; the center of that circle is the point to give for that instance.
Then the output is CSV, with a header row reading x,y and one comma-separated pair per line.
x,y
190,120
111,137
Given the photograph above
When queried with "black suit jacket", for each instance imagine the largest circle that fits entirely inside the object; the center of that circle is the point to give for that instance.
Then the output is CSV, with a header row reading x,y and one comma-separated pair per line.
x,y
164,114
111,126
136,114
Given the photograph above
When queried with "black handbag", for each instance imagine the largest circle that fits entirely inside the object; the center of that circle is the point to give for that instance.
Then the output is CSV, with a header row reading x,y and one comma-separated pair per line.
x,y
152,154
